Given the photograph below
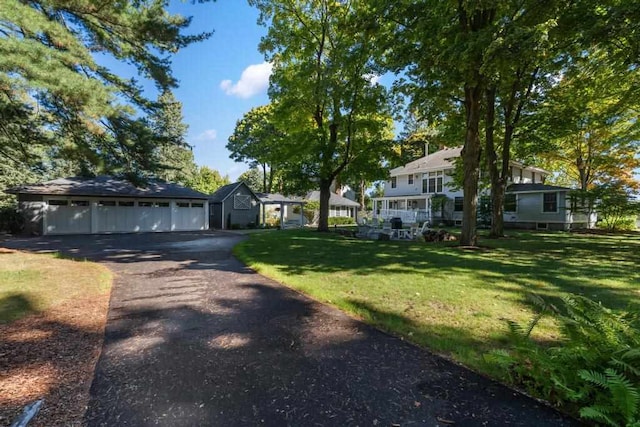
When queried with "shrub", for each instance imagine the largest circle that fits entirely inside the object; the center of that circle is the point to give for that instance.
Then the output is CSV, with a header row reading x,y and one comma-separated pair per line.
x,y
595,372
341,220
11,221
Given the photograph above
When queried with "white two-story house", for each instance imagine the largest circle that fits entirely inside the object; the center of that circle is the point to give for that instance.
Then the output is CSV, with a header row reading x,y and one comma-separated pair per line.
x,y
422,190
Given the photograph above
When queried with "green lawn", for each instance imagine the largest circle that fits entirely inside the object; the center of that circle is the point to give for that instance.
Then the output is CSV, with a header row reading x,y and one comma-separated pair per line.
x,y
450,300
32,283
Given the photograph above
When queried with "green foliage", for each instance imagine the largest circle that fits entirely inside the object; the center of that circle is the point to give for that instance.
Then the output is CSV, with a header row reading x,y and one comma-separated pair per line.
x,y
11,221
616,207
258,141
207,180
174,155
341,220
254,179
337,121
57,102
596,369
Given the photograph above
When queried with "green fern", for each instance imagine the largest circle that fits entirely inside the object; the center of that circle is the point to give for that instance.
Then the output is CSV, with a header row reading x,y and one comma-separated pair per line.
x,y
605,343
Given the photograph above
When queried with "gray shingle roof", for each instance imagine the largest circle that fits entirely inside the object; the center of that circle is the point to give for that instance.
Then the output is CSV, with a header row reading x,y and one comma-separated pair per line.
x,y
334,199
522,188
274,198
223,192
438,160
108,186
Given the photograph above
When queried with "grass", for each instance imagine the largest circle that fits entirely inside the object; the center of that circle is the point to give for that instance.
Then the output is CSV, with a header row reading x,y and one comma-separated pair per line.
x,y
453,301
32,283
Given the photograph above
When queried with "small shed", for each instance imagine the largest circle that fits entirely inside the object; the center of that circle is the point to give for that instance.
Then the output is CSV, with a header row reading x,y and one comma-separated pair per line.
x,y
234,206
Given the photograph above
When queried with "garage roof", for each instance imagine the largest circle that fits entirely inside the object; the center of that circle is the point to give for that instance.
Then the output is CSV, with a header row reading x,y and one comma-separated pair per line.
x,y
108,186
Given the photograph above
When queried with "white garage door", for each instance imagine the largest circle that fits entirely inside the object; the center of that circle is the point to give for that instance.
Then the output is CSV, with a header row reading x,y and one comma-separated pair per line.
x,y
189,215
126,216
67,217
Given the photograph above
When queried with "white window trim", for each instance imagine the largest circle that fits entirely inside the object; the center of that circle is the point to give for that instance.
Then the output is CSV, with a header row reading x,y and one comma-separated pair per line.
x,y
557,203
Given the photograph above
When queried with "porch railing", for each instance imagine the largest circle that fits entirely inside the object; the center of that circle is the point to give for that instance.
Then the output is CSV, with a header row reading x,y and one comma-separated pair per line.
x,y
407,216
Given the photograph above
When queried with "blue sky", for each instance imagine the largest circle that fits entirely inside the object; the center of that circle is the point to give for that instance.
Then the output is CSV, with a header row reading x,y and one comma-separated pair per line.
x,y
221,78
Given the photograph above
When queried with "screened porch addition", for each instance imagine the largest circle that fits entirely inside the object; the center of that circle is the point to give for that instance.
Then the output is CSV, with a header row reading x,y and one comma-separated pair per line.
x,y
409,209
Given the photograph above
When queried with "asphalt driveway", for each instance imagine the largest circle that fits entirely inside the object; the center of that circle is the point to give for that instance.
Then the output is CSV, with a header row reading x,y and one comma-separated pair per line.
x,y
196,338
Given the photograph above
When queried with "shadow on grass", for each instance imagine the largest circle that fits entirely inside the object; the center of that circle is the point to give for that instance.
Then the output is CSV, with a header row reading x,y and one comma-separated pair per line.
x,y
580,264
14,306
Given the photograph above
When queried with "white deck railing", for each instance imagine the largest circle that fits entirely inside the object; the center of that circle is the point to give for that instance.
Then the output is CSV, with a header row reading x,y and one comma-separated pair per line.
x,y
407,216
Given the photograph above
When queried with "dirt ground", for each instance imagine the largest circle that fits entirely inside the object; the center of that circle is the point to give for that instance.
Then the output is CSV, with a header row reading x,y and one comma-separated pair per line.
x,y
52,355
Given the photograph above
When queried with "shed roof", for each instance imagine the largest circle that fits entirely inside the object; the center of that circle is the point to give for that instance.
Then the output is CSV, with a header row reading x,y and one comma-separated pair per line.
x,y
275,198
221,194
105,185
334,199
534,188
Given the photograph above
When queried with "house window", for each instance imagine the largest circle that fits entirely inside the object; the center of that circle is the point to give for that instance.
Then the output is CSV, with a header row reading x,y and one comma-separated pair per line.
x,y
163,204
106,203
182,204
126,204
550,202
410,180
393,182
145,204
58,202
241,201
79,203
433,182
458,204
197,205
533,177
510,203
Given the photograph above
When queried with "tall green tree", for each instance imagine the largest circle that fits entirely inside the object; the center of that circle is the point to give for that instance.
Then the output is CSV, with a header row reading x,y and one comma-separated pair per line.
x,y
440,46
75,107
258,141
589,122
254,178
526,53
321,87
174,155
207,180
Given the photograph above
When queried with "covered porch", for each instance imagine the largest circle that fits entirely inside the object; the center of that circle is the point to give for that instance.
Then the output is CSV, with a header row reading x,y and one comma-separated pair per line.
x,y
410,209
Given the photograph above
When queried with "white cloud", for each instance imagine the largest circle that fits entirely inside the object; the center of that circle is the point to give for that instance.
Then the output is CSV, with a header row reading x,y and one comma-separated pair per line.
x,y
254,79
373,79
207,135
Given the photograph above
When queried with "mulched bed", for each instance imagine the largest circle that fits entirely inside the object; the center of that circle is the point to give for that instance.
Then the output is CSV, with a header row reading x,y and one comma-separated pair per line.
x,y
52,355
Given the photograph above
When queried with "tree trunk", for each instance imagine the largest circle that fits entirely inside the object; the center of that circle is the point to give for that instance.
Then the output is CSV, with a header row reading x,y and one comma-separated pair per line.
x,y
497,183
325,194
363,188
264,178
471,163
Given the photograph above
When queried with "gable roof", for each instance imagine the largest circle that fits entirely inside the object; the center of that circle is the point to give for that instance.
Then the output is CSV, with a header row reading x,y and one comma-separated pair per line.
x,y
334,199
534,188
444,159
439,160
222,193
105,185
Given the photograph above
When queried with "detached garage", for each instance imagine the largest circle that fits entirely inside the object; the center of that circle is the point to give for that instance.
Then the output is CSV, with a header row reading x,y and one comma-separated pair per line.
x,y
108,205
